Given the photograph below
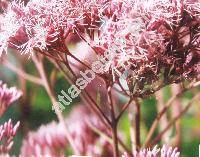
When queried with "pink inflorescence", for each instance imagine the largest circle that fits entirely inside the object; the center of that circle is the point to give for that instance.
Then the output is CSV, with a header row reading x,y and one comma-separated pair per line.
x,y
155,42
7,96
7,133
47,140
42,24
156,152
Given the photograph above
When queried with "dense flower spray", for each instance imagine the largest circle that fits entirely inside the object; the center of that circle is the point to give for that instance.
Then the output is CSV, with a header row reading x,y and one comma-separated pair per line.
x,y
155,42
7,96
7,132
157,152
47,140
152,43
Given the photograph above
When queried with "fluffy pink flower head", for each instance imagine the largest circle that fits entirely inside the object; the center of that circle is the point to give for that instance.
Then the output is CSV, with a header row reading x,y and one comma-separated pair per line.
x,y
43,24
155,42
7,133
145,40
48,140
156,152
7,96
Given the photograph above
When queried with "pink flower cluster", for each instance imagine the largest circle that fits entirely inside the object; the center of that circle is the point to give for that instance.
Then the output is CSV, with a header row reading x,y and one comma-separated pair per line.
x,y
157,152
48,140
7,132
42,24
155,41
7,96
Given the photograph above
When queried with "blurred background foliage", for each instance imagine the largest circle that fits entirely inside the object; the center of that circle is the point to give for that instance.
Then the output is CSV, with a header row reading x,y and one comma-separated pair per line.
x,y
34,109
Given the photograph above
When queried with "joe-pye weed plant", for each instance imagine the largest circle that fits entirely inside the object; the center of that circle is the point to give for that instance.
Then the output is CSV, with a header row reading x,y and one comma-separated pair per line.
x,y
154,43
